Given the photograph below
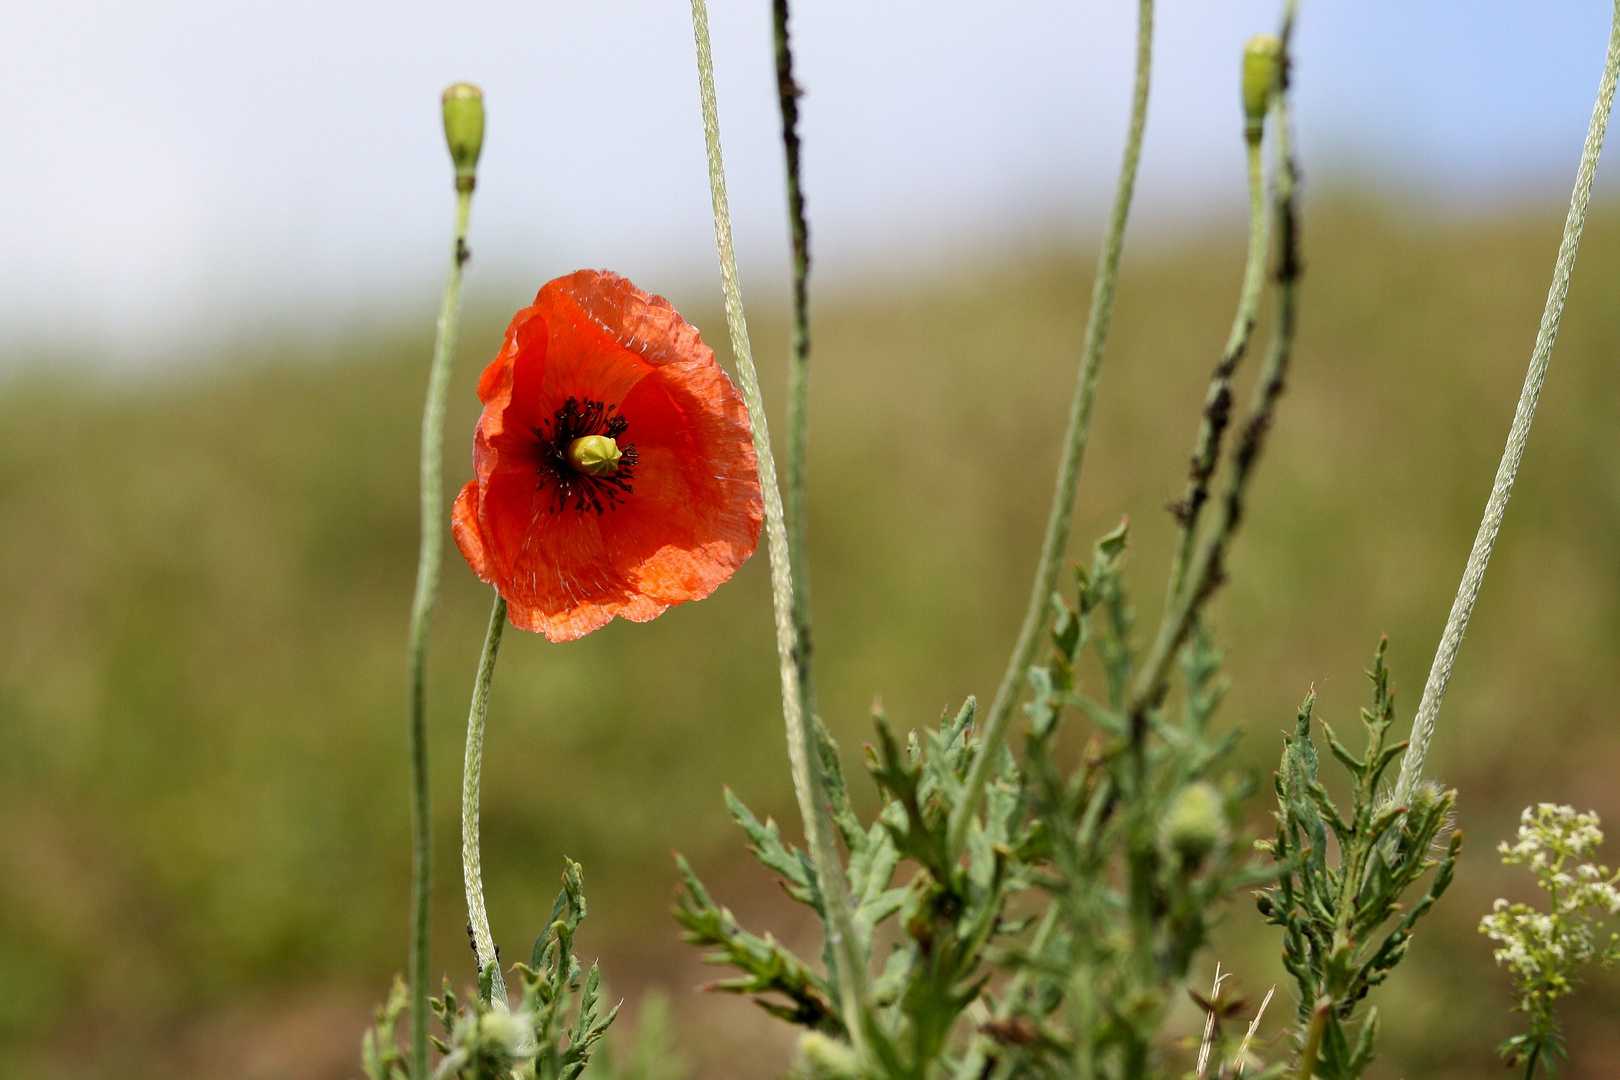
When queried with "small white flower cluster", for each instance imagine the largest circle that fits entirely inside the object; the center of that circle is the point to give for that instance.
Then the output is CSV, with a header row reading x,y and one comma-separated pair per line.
x,y
1549,831
1545,950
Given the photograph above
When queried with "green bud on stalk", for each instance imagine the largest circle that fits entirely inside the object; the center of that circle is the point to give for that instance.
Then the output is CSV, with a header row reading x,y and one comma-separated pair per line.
x,y
464,130
1260,59
1196,822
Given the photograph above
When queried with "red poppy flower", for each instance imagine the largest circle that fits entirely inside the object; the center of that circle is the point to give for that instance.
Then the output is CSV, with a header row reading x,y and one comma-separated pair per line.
x,y
615,466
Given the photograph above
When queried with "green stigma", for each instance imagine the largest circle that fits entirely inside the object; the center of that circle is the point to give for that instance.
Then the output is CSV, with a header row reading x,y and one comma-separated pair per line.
x,y
594,455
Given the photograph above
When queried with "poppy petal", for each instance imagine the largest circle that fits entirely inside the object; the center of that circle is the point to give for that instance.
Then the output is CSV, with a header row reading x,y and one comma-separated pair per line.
x,y
464,527
570,553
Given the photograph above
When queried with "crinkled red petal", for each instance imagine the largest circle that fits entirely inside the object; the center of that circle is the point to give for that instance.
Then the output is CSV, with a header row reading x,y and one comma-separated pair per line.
x,y
695,512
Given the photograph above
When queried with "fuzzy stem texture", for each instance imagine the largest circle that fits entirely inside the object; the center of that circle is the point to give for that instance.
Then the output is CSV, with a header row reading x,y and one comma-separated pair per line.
x,y
472,873
1434,690
807,780
1061,516
429,558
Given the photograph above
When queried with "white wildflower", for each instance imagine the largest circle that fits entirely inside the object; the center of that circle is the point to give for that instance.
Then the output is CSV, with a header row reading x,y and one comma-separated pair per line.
x,y
1546,950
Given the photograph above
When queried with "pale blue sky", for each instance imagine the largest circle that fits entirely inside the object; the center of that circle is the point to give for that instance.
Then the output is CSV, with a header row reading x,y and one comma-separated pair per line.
x,y
174,164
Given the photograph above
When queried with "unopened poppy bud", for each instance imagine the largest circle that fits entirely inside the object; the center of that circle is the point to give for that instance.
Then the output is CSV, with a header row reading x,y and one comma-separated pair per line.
x,y
1196,822
1260,57
464,130
594,455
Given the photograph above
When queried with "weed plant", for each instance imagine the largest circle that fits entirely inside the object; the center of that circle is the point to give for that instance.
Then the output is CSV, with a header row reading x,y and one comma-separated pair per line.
x,y
1004,915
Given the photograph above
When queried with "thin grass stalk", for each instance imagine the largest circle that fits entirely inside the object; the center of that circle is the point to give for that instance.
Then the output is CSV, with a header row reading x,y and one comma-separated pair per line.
x,y
1434,690
1254,1026
1061,516
787,96
807,779
1208,569
428,561
472,874
1218,401
1208,1041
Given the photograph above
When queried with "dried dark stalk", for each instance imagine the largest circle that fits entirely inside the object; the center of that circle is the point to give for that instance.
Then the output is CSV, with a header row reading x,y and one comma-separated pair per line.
x,y
1208,571
787,95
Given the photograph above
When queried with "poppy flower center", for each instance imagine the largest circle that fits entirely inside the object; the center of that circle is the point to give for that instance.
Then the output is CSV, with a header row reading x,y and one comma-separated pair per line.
x,y
594,455
579,458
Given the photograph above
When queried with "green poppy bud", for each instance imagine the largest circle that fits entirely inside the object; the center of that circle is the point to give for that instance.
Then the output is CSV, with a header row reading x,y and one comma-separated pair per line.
x,y
464,130
1260,58
1196,822
594,455
822,1057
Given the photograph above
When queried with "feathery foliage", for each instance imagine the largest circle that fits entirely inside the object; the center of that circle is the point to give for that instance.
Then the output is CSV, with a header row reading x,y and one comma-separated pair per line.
x,y
1335,913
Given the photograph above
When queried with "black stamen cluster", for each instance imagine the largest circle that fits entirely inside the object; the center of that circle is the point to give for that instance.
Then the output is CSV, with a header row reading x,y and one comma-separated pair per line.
x,y
568,484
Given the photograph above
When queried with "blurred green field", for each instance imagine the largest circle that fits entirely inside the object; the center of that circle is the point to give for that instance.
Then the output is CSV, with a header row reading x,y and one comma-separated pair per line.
x,y
205,576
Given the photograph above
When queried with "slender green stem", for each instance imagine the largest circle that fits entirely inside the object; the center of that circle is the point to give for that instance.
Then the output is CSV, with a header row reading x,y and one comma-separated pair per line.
x,y
807,779
472,874
1313,1039
787,95
1074,448
1218,401
1208,569
1496,506
429,557
1530,1062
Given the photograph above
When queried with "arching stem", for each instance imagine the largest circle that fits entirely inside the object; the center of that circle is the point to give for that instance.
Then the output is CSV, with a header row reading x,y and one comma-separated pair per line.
x,y
797,716
1061,516
472,874
429,558
1434,690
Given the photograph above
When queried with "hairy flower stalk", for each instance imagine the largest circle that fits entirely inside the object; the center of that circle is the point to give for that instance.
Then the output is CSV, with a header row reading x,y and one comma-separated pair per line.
x,y
1074,447
808,782
1434,690
472,873
463,107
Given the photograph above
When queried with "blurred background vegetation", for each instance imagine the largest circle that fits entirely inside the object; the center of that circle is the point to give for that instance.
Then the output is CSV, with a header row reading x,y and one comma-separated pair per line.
x,y
205,575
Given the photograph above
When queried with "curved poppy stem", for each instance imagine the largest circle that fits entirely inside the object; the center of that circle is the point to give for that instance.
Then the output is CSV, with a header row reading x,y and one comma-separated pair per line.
x,y
472,770
808,782
1207,570
1061,516
428,561
787,96
1218,401
1434,690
